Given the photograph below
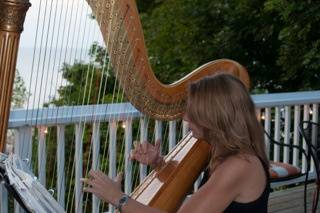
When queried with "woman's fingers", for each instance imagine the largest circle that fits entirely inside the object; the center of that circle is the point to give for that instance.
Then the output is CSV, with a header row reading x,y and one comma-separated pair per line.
x,y
135,143
93,191
85,180
132,154
89,189
157,144
119,179
145,152
144,146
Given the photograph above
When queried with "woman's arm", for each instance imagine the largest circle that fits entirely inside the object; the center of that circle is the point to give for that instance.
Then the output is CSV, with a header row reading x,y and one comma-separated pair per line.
x,y
109,191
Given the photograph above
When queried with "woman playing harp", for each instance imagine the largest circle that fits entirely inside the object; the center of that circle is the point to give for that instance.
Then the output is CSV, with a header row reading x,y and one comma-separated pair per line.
x,y
220,111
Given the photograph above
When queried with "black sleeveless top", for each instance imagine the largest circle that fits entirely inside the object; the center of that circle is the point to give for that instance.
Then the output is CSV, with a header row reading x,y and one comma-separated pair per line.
x,y
260,205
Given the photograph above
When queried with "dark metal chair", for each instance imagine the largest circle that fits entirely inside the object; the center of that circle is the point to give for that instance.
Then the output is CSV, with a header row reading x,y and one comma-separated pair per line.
x,y
297,174
310,131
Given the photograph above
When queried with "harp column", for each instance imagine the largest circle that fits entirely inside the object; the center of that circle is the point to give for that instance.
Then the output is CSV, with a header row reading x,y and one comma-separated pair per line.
x,y
12,15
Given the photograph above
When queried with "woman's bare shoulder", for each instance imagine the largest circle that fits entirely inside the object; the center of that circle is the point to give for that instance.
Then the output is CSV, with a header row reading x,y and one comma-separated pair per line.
x,y
237,163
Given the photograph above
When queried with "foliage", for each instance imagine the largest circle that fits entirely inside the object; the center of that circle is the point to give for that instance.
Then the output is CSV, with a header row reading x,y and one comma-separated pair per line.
x,y
299,50
88,83
277,41
19,93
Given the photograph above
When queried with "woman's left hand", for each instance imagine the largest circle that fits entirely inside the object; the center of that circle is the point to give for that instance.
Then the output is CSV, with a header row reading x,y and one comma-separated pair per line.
x,y
103,187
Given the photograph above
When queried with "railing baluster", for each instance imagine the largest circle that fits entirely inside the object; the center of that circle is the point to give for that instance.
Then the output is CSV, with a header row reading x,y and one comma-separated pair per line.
x,y
185,128
306,110
315,114
143,137
172,134
95,160
296,134
23,148
60,164
3,199
287,123
128,162
276,148
23,143
112,153
78,168
42,155
267,125
158,132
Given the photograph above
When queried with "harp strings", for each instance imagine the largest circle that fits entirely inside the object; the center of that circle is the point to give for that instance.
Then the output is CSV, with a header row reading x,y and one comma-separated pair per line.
x,y
55,26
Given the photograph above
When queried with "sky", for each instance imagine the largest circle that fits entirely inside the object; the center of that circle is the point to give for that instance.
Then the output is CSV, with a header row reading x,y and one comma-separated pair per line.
x,y
55,31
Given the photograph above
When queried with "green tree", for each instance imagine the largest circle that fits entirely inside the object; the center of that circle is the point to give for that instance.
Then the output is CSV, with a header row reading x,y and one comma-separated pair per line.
x,y
89,83
19,93
277,41
299,37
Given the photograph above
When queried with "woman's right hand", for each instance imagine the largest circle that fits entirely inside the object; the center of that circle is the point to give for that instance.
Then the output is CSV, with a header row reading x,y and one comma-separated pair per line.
x,y
147,154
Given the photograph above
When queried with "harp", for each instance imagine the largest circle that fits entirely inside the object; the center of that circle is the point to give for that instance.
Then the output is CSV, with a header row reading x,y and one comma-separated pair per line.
x,y
122,33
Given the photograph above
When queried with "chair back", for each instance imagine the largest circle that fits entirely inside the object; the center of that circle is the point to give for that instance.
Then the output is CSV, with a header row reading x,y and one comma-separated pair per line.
x,y
310,132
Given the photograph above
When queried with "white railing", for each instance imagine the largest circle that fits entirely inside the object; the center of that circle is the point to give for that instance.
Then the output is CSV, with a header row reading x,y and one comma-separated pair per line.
x,y
280,113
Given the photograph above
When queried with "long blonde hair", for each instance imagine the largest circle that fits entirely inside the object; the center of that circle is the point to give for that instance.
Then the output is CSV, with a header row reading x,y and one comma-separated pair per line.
x,y
222,108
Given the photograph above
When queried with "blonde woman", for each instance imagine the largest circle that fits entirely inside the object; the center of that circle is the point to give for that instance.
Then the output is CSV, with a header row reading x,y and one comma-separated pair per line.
x,y
220,111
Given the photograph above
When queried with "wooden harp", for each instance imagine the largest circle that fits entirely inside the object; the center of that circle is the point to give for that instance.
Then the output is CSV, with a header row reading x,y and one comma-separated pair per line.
x,y
167,188
129,59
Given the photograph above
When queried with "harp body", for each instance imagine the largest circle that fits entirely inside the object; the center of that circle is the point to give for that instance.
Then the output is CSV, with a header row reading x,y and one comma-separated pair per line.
x,y
166,188
122,32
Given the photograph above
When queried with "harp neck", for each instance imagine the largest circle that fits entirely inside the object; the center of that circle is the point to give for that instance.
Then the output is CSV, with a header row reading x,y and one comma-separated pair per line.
x,y
122,32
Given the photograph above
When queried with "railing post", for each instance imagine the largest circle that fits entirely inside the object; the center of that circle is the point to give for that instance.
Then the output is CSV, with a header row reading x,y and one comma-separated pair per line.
x,y
61,165
95,160
78,168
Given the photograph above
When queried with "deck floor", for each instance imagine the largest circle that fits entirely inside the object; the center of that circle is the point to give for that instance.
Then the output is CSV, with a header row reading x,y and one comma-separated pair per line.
x,y
291,200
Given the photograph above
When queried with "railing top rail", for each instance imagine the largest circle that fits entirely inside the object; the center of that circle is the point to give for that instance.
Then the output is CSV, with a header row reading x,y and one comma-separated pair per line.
x,y
286,99
122,111
72,114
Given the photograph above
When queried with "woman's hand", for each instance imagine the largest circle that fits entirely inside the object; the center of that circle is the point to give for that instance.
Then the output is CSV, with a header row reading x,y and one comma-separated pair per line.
x,y
147,154
103,187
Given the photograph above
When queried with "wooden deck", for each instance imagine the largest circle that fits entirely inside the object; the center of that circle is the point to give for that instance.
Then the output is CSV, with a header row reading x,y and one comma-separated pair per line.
x,y
291,200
